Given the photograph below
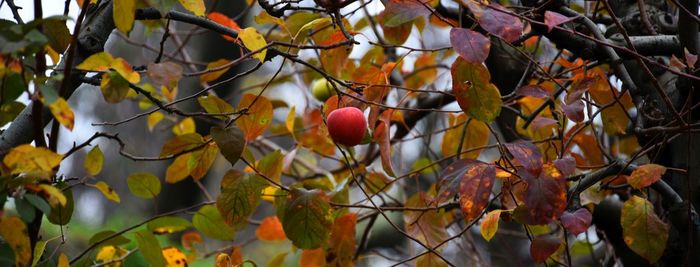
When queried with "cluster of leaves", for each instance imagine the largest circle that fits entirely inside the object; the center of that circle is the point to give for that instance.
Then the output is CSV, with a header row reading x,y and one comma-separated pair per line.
x,y
530,181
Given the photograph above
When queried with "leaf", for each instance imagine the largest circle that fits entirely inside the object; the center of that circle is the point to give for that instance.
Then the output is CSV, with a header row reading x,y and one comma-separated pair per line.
x,y
429,227
181,143
213,104
553,19
476,135
123,13
143,184
61,214
117,240
153,119
270,229
96,62
226,22
307,218
168,225
174,257
342,241
471,85
195,6
382,136
271,165
497,21
178,170
55,195
642,230
208,221
62,112
94,160
545,195
213,75
474,190
58,34
14,232
398,12
109,254
470,45
125,70
646,175
201,160
489,226
311,25
230,141
63,260
577,222
114,87
38,251
31,160
615,117
258,116
166,74
240,196
313,258
544,246
451,177
107,191
278,260
527,154
186,126
150,248
253,41
565,165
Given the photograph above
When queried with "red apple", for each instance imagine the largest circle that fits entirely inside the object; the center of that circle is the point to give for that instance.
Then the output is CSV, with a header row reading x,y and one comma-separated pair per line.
x,y
347,126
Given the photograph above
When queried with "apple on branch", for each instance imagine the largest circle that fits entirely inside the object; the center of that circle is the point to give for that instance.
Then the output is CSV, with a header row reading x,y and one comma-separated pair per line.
x,y
347,126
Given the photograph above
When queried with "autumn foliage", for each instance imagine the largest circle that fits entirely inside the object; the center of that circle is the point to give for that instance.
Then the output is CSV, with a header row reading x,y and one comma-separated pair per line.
x,y
343,133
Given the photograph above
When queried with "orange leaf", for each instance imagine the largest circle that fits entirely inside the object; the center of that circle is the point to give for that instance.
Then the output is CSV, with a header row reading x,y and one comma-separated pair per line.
x,y
313,258
258,116
646,175
226,22
270,229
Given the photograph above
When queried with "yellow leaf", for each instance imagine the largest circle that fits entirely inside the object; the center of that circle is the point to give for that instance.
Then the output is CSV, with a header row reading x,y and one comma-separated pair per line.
x,y
195,6
264,18
63,260
489,225
14,232
312,24
62,112
222,260
56,196
37,161
184,127
52,54
169,94
290,120
178,170
213,75
107,191
125,70
97,62
153,119
94,161
174,257
110,253
253,41
123,13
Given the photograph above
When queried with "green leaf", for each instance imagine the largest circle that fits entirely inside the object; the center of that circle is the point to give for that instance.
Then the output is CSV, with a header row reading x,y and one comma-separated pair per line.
x,y
475,94
25,209
271,165
208,221
61,215
213,105
114,87
150,248
642,230
38,202
58,34
9,111
143,185
168,225
307,218
240,196
114,241
231,142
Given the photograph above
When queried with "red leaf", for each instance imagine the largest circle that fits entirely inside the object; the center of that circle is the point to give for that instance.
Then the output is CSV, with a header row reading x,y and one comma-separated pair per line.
x,y
544,246
470,45
497,21
526,154
566,165
545,196
450,178
578,88
225,21
532,90
475,189
553,19
573,111
690,59
577,222
398,12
